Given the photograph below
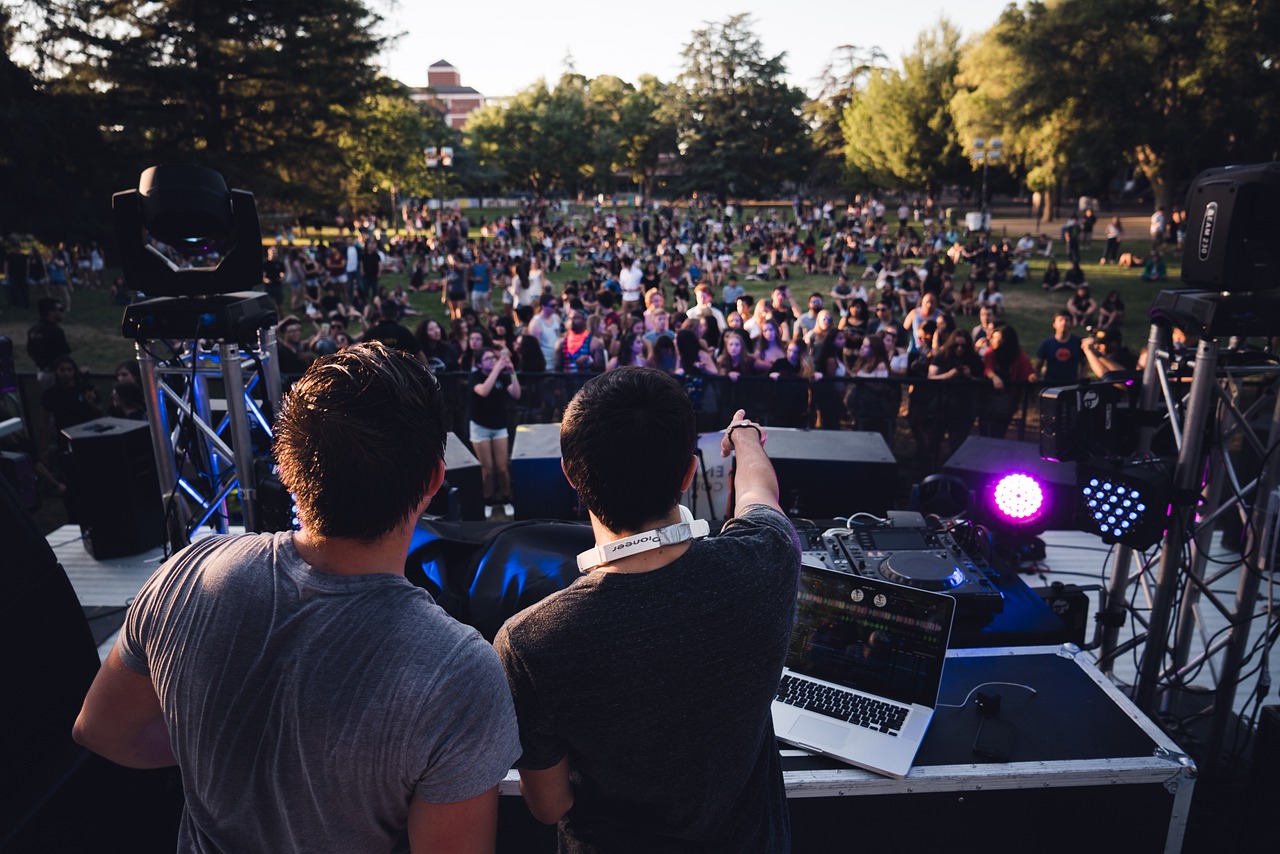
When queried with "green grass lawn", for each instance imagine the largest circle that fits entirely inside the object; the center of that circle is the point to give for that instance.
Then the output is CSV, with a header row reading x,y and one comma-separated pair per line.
x,y
93,324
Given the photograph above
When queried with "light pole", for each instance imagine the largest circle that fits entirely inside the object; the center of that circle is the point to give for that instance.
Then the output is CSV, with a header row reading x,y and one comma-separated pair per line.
x,y
439,159
986,151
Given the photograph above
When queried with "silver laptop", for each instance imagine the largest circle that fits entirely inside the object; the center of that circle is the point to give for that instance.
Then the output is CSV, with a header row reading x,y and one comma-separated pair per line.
x,y
863,669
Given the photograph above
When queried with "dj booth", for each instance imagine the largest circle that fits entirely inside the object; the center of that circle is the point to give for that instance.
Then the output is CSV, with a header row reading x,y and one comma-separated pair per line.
x,y
1055,758
1085,770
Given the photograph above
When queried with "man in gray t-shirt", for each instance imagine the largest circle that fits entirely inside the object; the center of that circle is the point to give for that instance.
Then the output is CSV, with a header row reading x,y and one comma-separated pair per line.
x,y
312,697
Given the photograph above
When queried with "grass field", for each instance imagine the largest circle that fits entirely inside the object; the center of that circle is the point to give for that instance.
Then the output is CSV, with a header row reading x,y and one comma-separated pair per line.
x,y
93,324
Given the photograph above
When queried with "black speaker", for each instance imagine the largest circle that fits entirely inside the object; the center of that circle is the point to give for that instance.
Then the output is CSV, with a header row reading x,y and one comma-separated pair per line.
x,y
461,496
1232,222
113,492
539,489
823,474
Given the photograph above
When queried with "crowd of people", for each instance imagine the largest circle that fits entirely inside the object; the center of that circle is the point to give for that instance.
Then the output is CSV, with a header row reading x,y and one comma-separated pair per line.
x,y
666,291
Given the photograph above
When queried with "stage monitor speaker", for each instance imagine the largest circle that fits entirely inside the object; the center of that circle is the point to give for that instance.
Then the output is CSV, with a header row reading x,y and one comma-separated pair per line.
x,y
113,492
539,489
1232,222
982,462
823,474
461,497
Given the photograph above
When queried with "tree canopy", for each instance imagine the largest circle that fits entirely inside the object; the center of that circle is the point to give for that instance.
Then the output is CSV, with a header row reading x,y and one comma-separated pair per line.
x,y
741,129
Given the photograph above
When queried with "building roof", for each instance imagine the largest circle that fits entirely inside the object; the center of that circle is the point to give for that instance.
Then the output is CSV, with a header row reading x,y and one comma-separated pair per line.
x,y
450,90
444,63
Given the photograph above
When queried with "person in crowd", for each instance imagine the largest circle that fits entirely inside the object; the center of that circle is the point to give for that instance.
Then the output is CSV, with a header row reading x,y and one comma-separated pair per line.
x,y
547,326
493,384
596,759
46,340
957,362
389,331
1081,306
1114,233
769,346
1059,359
1052,279
735,359
1153,269
1074,277
127,402
71,400
579,350
655,304
808,321
991,297
1111,311
289,348
694,356
705,308
633,352
441,355
1105,352
333,698
1010,373
873,404
469,358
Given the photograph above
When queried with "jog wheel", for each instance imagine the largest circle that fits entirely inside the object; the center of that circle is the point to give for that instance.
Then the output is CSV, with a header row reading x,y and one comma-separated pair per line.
x,y
922,569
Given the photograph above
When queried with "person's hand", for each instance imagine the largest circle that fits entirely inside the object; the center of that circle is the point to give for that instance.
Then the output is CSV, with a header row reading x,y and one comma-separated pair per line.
x,y
740,423
997,382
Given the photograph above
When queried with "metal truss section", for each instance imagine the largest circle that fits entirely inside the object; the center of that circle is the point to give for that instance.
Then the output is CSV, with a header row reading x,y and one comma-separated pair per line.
x,y
209,428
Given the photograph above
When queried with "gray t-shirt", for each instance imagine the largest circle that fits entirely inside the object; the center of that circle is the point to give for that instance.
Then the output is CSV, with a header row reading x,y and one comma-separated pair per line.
x,y
657,686
306,709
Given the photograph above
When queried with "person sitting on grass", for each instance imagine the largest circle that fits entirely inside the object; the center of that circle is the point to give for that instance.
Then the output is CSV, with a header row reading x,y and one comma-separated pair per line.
x,y
1153,269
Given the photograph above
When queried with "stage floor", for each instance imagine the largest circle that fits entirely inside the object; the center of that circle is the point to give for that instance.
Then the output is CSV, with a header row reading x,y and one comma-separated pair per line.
x,y
106,587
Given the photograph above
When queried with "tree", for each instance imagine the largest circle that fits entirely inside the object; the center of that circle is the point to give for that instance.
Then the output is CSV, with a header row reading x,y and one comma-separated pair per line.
x,y
899,131
740,128
841,79
1170,86
384,148
540,140
263,92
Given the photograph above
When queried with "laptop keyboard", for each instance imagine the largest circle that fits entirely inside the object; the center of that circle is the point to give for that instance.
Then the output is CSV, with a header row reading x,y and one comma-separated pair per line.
x,y
842,705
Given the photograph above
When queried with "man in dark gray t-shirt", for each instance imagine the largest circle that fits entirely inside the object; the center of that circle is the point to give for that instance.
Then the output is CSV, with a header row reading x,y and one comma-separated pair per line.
x,y
643,690
312,697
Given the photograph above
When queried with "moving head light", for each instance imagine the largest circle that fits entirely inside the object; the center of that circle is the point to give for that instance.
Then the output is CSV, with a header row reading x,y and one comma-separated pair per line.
x,y
184,233
1232,222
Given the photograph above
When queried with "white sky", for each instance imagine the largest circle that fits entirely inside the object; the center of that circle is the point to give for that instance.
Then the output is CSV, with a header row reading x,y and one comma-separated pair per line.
x,y
502,46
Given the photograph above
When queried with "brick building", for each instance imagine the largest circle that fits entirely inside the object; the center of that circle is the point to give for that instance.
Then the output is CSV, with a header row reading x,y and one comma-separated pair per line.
x,y
444,91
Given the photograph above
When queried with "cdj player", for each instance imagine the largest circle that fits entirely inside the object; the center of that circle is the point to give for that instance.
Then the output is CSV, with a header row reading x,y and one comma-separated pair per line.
x,y
917,556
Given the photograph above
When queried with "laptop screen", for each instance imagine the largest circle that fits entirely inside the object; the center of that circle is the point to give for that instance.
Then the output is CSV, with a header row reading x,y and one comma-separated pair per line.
x,y
867,634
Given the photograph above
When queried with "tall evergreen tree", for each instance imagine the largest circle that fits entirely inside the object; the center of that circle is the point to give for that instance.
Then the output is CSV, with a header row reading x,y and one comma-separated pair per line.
x,y
260,91
741,130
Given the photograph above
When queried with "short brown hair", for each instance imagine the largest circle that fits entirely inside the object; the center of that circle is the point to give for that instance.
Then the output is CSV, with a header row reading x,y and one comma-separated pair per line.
x,y
358,439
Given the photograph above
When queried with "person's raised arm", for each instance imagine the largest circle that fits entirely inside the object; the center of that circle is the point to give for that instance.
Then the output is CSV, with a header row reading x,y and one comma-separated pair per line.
x,y
754,480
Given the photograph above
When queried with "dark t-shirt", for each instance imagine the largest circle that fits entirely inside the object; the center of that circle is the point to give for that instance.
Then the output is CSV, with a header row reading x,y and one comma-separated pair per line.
x,y
46,343
1062,360
491,410
658,686
393,335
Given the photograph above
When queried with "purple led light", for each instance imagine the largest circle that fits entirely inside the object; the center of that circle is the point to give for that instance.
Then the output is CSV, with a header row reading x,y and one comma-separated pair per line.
x,y
1019,497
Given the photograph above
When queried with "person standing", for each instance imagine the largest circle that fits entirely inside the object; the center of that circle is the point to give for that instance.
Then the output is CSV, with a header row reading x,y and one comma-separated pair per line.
x,y
310,695
493,383
46,341
666,654
1114,233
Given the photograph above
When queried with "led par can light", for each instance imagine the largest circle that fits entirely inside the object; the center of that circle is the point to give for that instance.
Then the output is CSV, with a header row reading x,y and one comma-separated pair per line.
x,y
1124,502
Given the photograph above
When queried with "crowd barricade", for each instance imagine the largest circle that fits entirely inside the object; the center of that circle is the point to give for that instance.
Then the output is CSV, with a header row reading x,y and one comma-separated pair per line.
x,y
920,419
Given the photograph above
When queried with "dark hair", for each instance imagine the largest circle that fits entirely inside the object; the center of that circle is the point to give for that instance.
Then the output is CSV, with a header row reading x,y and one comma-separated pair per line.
x,y
130,395
46,305
628,408
357,440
